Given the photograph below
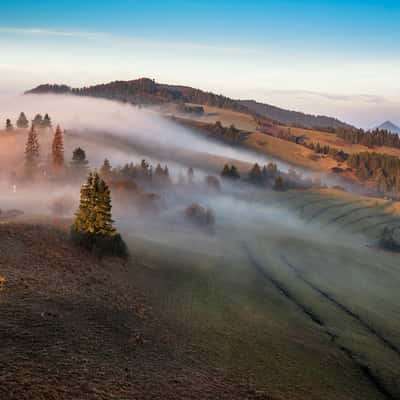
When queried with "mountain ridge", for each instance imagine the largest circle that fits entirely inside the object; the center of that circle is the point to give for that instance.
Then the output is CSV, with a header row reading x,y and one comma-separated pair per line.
x,y
148,91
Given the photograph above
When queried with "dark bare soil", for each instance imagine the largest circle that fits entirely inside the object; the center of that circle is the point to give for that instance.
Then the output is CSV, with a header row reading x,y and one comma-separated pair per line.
x,y
76,327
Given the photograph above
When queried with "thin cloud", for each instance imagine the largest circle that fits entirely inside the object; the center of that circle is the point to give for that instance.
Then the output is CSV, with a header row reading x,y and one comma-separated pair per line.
x,y
50,32
125,40
367,98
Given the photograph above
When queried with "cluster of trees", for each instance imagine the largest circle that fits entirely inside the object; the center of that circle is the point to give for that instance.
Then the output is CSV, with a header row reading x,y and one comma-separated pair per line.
x,y
200,216
338,155
38,122
188,109
380,171
32,153
230,172
370,139
267,176
143,172
93,226
229,134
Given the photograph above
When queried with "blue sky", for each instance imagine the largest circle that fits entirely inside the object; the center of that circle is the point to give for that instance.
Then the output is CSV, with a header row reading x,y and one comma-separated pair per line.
x,y
333,57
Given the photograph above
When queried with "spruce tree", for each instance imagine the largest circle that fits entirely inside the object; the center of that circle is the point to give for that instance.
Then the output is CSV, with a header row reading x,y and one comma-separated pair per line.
x,y
105,170
83,215
32,153
37,121
93,225
57,150
79,161
103,221
22,122
9,125
255,175
234,174
46,123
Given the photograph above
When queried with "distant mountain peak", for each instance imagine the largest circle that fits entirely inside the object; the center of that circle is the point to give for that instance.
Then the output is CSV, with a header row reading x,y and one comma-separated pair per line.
x,y
389,126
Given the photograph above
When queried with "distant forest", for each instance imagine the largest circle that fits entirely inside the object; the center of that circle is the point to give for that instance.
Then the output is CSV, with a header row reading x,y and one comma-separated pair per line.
x,y
293,118
377,137
146,91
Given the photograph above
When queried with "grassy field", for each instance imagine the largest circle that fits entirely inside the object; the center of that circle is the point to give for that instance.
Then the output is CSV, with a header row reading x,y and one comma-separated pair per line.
x,y
282,149
303,307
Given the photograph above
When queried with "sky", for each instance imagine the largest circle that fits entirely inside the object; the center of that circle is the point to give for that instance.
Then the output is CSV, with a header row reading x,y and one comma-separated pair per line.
x,y
336,57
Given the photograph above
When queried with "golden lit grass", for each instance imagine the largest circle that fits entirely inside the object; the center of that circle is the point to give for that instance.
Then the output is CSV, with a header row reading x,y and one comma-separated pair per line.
x,y
282,149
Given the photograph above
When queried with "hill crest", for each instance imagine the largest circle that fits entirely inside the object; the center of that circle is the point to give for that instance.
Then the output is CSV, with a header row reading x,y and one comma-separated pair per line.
x,y
148,91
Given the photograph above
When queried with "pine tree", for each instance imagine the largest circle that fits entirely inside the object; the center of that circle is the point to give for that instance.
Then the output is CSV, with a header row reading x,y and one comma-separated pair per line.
x,y
22,122
105,170
83,215
103,222
79,159
9,125
57,150
37,121
225,173
279,184
46,123
255,174
79,163
32,153
93,225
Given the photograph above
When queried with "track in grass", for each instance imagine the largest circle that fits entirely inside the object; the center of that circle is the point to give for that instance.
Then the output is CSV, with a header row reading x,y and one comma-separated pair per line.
x,y
322,210
347,213
342,307
280,287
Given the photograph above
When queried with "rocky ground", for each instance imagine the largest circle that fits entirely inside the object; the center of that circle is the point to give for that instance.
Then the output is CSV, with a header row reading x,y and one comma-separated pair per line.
x,y
76,327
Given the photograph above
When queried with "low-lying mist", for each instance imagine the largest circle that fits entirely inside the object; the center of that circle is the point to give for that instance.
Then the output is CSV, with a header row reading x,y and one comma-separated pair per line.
x,y
123,133
144,127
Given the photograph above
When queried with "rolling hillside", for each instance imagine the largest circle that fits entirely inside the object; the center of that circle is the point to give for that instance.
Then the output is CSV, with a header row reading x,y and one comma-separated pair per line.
x,y
147,91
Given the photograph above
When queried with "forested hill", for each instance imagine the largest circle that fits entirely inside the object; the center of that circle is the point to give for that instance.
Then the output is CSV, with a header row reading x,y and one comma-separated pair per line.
x,y
147,91
295,118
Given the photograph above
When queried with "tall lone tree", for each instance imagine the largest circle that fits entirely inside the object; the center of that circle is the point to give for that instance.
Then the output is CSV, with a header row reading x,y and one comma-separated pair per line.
x,y
22,122
57,150
79,163
32,153
93,225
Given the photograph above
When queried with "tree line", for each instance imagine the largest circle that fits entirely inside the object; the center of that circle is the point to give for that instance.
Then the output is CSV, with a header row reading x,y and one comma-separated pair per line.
x,y
380,171
38,122
377,137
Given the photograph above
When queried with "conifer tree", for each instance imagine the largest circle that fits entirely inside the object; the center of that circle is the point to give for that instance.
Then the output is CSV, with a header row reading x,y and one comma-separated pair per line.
x,y
46,123
105,170
57,150
22,122
83,215
93,225
79,161
103,222
37,121
9,125
279,184
225,171
234,173
32,153
255,175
